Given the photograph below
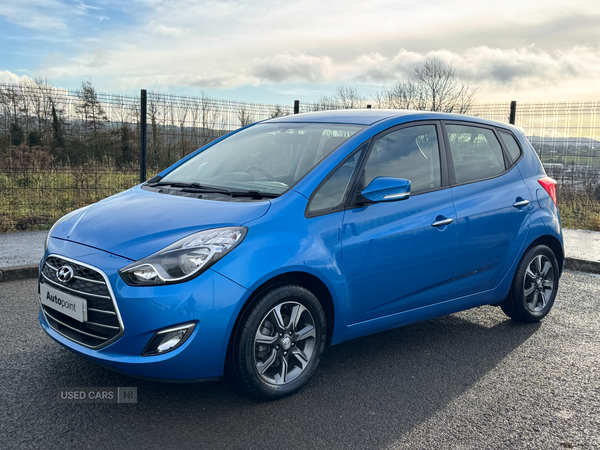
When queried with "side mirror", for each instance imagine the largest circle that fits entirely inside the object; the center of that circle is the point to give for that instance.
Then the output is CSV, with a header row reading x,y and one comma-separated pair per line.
x,y
385,189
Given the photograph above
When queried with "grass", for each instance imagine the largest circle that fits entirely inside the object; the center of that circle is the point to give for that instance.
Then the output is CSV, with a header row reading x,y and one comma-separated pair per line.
x,y
580,208
569,160
35,199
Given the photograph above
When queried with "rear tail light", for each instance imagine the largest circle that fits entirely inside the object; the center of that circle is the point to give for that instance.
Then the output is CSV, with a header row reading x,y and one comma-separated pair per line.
x,y
549,186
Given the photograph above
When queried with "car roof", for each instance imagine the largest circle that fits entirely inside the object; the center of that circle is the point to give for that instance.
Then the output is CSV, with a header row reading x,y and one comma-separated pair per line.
x,y
349,116
371,116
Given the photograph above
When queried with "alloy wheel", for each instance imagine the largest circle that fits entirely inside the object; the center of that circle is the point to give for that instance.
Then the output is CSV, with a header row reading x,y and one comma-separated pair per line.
x,y
538,283
284,343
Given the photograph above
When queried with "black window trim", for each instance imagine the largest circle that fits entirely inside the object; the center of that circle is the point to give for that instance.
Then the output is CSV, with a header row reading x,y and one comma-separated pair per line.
x,y
448,179
508,163
507,131
362,148
444,184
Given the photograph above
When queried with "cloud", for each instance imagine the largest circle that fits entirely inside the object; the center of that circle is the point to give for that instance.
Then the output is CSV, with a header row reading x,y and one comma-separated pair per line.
x,y
85,7
35,14
218,44
11,78
293,66
168,31
484,64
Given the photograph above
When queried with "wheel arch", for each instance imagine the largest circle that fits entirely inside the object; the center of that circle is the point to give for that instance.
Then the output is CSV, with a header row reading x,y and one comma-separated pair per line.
x,y
304,279
554,244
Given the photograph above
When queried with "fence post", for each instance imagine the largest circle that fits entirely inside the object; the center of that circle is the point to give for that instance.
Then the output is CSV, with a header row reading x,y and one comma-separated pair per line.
x,y
143,137
296,106
513,112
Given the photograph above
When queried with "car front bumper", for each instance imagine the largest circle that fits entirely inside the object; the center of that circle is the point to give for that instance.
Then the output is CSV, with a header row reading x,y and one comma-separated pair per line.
x,y
210,301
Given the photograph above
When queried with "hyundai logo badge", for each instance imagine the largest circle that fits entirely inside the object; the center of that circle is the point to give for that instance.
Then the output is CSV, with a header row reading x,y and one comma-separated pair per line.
x,y
65,274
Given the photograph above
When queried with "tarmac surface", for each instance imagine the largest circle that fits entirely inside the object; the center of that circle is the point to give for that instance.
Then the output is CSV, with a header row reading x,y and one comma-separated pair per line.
x,y
21,249
470,380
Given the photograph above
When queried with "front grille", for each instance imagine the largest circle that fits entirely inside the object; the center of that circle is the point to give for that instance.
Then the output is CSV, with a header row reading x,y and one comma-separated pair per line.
x,y
103,324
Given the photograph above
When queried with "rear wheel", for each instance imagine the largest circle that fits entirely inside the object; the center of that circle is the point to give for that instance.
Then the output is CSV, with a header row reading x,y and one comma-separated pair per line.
x,y
280,342
534,286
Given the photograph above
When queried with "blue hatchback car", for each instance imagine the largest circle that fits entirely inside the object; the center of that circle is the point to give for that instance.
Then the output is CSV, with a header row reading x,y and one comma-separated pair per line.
x,y
257,251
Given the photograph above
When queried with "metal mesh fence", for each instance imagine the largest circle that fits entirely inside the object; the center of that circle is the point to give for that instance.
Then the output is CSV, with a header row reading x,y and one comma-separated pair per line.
x,y
62,149
566,136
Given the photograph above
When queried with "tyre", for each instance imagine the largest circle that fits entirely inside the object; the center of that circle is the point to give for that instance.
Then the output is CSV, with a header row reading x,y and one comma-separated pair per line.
x,y
534,286
279,342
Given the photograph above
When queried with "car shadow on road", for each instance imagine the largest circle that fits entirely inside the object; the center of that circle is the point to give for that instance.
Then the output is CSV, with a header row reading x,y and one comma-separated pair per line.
x,y
366,392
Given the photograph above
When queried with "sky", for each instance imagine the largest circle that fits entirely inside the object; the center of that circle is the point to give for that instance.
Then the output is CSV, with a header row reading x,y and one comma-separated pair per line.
x,y
277,51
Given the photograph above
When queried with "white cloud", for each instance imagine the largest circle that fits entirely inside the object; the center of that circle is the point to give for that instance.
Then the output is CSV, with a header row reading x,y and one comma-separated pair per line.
x,y
168,31
293,66
11,78
482,63
35,14
506,47
85,7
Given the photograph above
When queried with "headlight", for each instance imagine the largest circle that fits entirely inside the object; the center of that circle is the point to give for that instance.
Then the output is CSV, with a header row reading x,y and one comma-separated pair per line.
x,y
185,259
58,222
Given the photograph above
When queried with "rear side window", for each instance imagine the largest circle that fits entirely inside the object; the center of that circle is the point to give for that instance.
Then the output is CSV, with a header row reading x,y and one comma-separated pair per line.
x,y
511,144
411,153
476,153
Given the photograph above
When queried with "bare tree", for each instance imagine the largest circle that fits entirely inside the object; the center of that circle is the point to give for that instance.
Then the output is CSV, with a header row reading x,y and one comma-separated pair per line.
x,y
402,95
89,108
435,87
277,112
344,97
26,109
444,89
245,117
182,110
211,121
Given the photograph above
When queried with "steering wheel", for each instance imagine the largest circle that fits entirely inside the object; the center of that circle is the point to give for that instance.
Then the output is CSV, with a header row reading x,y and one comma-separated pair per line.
x,y
261,170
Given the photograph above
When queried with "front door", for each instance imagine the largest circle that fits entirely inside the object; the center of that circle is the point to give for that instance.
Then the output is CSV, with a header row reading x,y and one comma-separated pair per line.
x,y
400,255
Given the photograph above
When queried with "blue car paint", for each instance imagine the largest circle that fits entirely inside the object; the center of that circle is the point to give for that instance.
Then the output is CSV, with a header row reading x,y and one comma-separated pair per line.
x,y
487,246
282,240
386,189
209,300
153,221
383,236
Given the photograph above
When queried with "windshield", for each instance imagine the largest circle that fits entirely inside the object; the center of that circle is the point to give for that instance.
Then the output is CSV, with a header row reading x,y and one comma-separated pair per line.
x,y
268,158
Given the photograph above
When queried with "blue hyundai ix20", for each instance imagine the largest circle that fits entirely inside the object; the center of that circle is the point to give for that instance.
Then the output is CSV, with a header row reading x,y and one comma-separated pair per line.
x,y
257,251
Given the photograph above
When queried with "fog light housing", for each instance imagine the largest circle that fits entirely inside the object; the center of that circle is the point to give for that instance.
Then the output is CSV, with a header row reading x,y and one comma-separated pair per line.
x,y
166,341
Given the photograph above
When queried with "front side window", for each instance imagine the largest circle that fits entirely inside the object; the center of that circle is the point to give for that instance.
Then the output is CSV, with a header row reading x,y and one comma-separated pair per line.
x,y
476,153
411,153
268,157
332,193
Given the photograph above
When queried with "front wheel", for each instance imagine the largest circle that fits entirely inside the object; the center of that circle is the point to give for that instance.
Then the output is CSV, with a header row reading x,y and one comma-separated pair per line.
x,y
280,342
534,286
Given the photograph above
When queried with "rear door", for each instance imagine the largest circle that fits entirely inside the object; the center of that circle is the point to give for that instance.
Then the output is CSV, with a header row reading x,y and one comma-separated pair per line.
x,y
492,205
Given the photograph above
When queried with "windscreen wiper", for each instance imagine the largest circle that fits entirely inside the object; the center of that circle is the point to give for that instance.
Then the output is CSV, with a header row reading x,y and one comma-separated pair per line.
x,y
206,189
254,194
191,187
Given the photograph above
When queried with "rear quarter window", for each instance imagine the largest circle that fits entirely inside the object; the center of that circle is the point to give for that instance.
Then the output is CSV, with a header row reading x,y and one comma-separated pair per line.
x,y
511,144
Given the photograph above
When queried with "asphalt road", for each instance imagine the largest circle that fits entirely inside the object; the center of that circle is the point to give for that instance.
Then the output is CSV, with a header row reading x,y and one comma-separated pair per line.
x,y
471,380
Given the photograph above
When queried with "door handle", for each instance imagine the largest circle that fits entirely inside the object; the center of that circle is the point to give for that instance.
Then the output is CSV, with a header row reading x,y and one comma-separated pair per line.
x,y
521,203
439,223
